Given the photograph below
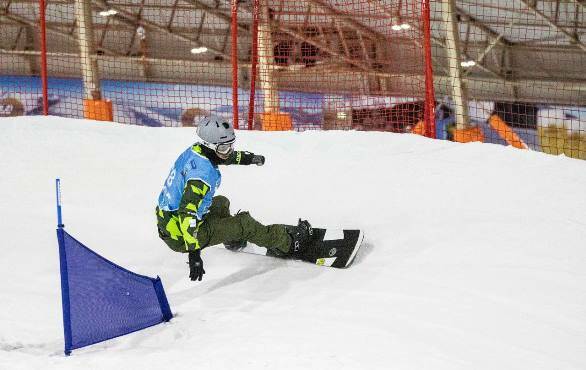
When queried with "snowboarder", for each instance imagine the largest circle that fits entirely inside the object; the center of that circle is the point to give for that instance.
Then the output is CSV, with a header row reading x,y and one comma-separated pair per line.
x,y
189,216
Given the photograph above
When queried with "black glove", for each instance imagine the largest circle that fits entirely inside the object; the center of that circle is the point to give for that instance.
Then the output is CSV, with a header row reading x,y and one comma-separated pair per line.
x,y
248,158
196,270
259,160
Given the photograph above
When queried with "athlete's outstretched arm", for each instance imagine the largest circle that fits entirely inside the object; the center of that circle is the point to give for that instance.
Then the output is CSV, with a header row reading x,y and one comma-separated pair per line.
x,y
244,158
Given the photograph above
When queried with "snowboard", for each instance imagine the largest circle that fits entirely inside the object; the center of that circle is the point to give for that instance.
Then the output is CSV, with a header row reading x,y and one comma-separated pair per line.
x,y
329,247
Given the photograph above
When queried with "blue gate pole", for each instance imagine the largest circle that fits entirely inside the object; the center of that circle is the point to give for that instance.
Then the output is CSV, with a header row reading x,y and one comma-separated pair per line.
x,y
64,274
58,190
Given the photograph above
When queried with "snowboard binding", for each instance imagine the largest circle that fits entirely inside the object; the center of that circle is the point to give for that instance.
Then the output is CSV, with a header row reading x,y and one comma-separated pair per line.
x,y
301,238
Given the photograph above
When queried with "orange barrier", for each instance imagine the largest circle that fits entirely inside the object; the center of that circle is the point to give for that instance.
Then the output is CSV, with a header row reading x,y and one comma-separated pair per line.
x,y
468,135
505,132
99,110
276,121
419,128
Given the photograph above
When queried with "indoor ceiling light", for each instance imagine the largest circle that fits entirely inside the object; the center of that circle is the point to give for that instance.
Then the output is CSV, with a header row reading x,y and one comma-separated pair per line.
x,y
199,50
107,13
400,27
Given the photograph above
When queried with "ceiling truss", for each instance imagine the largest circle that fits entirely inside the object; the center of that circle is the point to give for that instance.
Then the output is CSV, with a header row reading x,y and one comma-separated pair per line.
x,y
343,42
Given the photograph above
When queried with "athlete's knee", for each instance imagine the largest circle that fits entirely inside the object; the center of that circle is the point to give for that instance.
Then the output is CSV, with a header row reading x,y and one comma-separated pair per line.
x,y
245,220
220,206
243,216
221,201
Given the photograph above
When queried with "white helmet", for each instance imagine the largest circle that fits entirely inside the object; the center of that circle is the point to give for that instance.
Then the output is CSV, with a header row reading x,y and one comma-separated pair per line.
x,y
217,133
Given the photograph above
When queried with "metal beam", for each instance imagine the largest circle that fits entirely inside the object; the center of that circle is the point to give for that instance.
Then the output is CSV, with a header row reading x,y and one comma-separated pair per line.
x,y
488,22
377,5
537,42
570,36
571,83
172,17
200,27
347,20
124,27
119,57
396,19
30,45
54,30
7,6
497,38
104,30
467,38
217,12
89,65
342,38
338,18
226,38
323,37
580,3
266,60
17,38
458,89
468,18
132,19
435,40
322,47
387,14
364,48
439,42
489,47
533,90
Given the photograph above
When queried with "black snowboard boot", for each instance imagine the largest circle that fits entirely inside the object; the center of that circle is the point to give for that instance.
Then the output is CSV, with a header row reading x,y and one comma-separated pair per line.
x,y
235,246
301,237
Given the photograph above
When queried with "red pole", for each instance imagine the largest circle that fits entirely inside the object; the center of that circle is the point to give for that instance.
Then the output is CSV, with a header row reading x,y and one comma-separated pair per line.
x,y
44,58
429,91
256,9
235,62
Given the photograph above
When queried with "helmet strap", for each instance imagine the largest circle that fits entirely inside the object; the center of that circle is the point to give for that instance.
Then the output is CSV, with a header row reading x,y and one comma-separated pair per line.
x,y
210,153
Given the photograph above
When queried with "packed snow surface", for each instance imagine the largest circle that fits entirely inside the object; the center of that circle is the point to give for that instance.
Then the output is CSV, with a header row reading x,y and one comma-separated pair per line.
x,y
474,255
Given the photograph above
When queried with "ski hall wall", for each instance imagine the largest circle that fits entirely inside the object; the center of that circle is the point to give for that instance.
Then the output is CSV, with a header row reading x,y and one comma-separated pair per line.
x,y
488,70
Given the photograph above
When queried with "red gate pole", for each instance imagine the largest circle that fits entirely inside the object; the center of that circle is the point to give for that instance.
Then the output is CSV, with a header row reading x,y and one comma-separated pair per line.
x,y
235,62
429,114
255,15
44,58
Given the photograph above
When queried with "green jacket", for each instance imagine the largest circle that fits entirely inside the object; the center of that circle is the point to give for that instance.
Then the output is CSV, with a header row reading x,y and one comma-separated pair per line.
x,y
179,227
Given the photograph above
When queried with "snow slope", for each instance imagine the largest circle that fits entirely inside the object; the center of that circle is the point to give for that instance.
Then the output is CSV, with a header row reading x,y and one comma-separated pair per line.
x,y
474,256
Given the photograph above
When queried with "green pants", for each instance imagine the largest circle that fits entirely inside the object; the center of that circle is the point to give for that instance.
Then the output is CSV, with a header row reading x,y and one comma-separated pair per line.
x,y
220,227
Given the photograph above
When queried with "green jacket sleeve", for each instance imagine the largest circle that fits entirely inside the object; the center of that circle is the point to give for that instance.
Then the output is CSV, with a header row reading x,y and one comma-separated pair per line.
x,y
193,194
239,157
